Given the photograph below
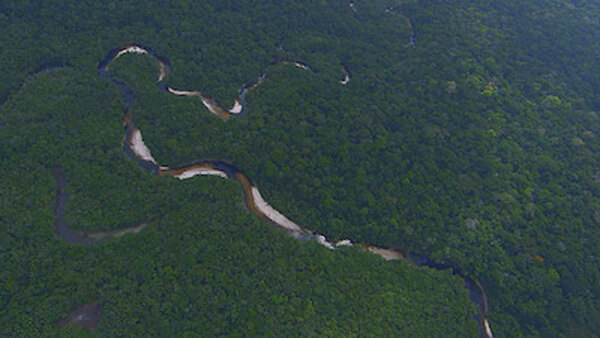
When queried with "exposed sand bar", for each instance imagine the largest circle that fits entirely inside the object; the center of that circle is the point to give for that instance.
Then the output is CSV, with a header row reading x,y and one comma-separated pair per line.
x,y
139,147
344,242
237,107
273,214
132,49
387,254
301,66
346,74
488,330
207,101
323,241
345,80
200,171
162,72
298,64
183,92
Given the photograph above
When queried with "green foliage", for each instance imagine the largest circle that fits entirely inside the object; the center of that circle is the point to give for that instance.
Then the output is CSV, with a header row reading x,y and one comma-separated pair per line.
x,y
478,148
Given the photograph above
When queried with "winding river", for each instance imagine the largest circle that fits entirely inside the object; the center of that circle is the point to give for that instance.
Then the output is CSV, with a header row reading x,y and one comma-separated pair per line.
x,y
135,148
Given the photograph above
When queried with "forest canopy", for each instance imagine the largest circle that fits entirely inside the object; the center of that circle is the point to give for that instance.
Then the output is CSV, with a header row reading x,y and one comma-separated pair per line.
x,y
467,135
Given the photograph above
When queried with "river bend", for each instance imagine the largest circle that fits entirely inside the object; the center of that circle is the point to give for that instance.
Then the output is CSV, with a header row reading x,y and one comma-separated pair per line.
x,y
134,147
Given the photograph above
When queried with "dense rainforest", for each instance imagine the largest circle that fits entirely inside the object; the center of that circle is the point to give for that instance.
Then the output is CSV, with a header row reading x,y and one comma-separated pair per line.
x,y
467,134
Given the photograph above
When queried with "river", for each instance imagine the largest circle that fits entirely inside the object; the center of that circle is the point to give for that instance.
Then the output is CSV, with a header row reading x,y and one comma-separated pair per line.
x,y
135,148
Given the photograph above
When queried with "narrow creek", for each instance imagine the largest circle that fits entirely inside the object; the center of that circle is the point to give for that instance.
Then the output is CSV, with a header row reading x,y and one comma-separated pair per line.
x,y
134,147
412,40
46,66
